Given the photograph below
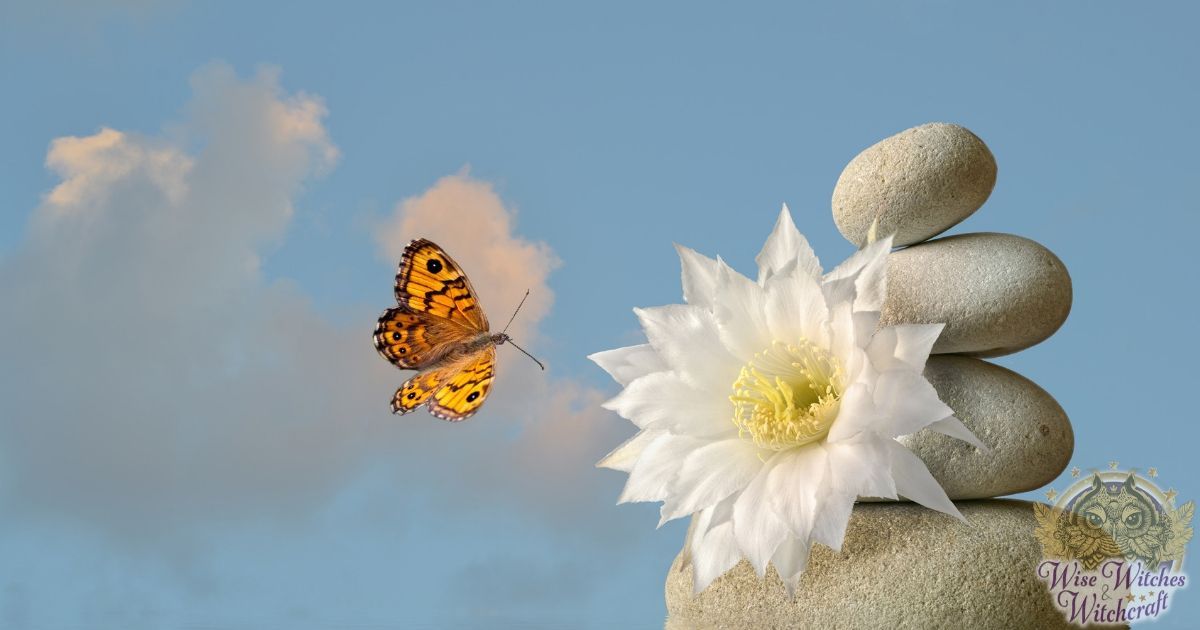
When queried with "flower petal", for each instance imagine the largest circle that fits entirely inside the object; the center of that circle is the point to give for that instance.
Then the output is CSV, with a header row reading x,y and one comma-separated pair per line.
x,y
956,429
710,474
758,530
699,276
626,364
909,344
869,268
790,560
626,455
862,467
795,308
657,467
713,555
914,482
740,315
663,400
856,414
794,486
829,526
908,401
686,337
786,246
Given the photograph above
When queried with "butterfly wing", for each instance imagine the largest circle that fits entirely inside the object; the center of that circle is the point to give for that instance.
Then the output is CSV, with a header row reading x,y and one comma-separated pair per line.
x,y
414,340
462,394
417,390
429,281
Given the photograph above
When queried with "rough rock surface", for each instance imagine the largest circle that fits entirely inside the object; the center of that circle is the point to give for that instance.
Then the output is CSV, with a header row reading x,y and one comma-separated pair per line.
x,y
996,293
901,566
1029,435
918,183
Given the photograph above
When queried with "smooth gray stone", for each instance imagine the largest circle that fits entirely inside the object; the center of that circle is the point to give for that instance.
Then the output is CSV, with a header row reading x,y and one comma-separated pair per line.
x,y
996,293
901,566
1028,433
918,183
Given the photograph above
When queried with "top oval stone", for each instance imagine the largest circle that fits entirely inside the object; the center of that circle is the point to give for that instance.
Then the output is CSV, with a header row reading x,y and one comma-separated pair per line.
x,y
918,183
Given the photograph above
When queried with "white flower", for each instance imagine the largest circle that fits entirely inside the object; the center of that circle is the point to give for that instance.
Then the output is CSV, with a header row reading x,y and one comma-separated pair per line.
x,y
765,408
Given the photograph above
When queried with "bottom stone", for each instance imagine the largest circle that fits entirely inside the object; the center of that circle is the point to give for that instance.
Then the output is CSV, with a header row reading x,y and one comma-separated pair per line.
x,y
901,566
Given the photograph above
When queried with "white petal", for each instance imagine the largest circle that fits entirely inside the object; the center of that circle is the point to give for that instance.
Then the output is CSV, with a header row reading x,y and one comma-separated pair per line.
x,y
794,485
908,401
862,467
663,400
843,340
909,344
856,413
839,291
865,325
914,482
759,532
699,277
790,560
956,429
626,455
687,339
740,314
716,553
786,246
626,364
829,526
657,468
869,267
795,308
710,474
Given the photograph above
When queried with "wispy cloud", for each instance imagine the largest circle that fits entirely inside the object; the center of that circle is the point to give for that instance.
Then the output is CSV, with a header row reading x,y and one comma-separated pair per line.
x,y
156,387
152,377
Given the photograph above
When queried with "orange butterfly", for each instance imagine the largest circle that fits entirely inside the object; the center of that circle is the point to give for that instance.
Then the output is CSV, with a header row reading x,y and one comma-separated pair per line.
x,y
440,330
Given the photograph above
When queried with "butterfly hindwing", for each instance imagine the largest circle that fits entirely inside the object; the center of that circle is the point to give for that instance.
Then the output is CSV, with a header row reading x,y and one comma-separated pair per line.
x,y
417,390
461,395
429,281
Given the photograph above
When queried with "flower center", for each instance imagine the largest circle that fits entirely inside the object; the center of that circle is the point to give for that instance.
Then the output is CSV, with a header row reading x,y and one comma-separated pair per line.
x,y
787,396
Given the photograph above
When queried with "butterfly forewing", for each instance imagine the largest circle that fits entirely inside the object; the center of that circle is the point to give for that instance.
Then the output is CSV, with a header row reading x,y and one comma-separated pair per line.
x,y
429,281
414,340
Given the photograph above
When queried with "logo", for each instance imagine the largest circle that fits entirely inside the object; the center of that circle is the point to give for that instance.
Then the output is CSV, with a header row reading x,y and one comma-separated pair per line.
x,y
1112,547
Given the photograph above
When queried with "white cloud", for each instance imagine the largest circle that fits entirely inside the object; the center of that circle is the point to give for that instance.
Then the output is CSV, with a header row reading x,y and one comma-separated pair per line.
x,y
152,378
159,393
155,382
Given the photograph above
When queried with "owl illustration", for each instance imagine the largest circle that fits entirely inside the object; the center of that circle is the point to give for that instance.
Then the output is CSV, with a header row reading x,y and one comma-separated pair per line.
x,y
1121,522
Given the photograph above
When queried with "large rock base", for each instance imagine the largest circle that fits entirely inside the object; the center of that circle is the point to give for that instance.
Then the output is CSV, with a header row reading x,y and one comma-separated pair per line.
x,y
901,566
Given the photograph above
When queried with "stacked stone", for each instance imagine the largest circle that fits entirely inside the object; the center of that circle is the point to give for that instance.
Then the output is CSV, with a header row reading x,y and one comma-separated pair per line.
x,y
902,565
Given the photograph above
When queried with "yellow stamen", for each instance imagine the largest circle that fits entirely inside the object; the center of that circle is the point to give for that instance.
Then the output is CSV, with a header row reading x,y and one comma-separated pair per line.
x,y
787,396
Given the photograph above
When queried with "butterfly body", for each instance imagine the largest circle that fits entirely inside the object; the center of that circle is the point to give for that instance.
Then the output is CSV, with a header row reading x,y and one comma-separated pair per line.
x,y
438,329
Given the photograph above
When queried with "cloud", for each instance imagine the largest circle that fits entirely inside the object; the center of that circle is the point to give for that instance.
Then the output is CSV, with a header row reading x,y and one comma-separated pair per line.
x,y
152,377
535,440
158,391
467,218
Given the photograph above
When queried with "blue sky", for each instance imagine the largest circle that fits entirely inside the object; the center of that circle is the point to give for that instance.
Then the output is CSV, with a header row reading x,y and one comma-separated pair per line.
x,y
196,427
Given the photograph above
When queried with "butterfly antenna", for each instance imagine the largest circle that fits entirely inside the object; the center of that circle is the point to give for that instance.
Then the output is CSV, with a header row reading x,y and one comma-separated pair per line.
x,y
514,316
527,354
509,339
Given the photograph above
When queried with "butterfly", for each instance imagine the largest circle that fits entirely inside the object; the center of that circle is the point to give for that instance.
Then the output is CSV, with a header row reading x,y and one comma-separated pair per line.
x,y
439,329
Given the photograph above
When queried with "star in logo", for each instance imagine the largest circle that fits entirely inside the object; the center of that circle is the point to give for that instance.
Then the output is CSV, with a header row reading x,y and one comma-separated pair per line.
x,y
1075,472
1153,472
1129,597
1051,493
1170,494
1113,464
